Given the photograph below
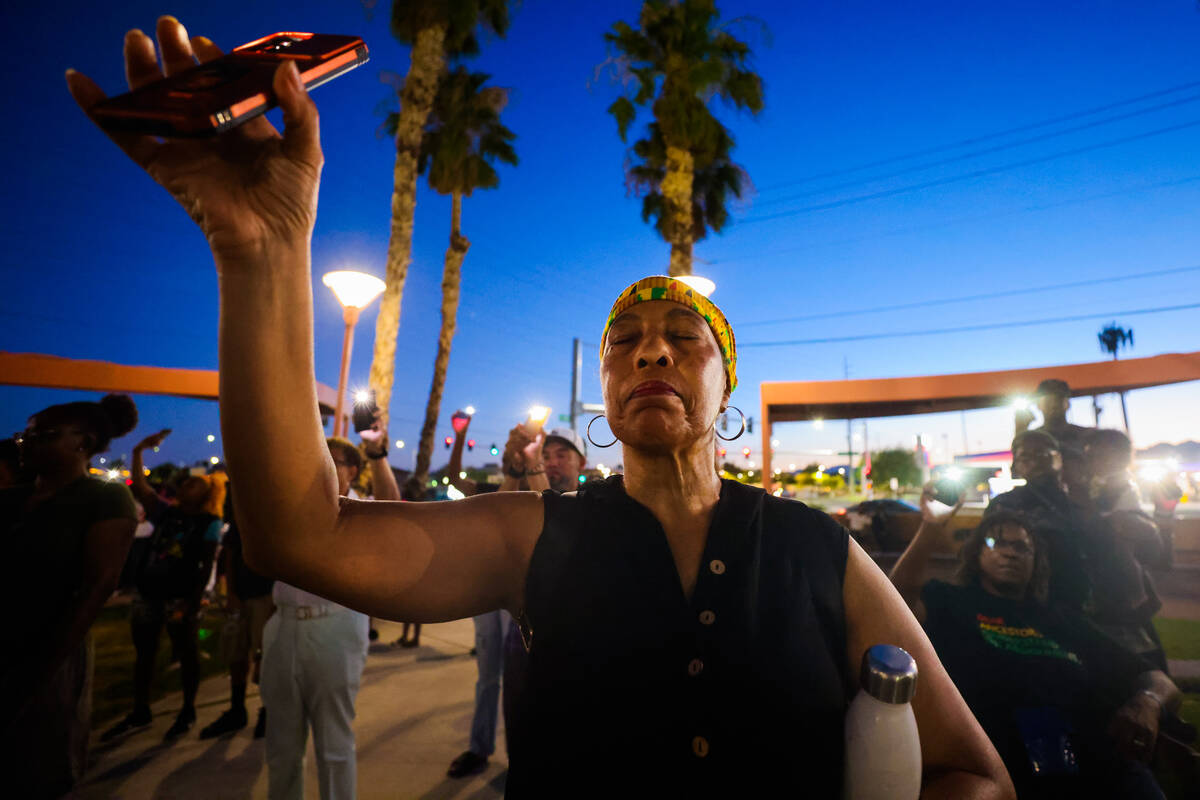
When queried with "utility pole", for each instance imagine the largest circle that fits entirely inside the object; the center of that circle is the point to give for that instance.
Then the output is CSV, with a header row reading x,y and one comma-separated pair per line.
x,y
576,382
849,436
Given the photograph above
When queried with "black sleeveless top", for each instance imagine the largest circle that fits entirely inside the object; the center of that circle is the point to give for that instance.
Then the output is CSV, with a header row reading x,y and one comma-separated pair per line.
x,y
635,691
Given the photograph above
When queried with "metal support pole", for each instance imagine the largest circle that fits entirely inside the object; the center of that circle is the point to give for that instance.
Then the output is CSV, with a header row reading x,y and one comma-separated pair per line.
x,y
576,382
350,315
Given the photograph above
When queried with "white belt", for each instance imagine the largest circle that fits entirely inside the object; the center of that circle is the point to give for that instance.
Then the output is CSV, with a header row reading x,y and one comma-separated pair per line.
x,y
308,612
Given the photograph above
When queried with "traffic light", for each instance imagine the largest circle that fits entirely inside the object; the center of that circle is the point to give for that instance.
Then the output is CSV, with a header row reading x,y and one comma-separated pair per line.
x,y
495,450
470,444
721,452
745,452
448,442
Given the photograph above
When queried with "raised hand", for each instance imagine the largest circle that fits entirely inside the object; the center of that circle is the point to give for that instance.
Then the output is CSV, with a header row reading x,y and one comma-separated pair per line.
x,y
153,440
247,189
936,517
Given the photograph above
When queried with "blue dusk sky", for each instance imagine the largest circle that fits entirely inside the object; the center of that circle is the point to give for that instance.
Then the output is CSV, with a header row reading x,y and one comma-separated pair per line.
x,y
908,152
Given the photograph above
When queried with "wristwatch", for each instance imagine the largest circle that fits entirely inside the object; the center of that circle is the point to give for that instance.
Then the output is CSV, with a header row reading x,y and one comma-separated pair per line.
x,y
376,456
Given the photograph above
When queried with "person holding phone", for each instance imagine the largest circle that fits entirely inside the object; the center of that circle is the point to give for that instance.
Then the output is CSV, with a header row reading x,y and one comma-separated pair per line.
x,y
1071,711
314,652
689,633
170,582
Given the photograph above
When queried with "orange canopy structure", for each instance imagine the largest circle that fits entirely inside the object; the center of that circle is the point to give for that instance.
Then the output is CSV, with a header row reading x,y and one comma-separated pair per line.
x,y
56,372
929,394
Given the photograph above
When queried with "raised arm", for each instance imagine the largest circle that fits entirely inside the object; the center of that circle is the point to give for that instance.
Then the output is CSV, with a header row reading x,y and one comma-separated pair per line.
x,y
454,468
909,572
958,759
141,487
383,480
254,195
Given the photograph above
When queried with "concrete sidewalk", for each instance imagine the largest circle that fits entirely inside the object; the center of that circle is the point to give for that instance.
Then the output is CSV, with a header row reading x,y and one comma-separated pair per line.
x,y
414,717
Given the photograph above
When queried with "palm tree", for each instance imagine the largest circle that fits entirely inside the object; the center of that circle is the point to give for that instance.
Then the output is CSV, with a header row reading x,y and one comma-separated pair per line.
x,y
714,180
1112,338
436,30
677,62
462,137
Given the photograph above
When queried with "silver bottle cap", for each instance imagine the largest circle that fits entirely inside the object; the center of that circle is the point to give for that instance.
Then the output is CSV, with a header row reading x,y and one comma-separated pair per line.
x,y
889,674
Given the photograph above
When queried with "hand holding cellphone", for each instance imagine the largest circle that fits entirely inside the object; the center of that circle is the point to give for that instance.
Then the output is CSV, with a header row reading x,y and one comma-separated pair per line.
x,y
365,410
221,94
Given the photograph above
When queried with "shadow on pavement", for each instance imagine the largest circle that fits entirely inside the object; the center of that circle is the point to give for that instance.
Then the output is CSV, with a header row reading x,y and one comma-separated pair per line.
x,y
235,776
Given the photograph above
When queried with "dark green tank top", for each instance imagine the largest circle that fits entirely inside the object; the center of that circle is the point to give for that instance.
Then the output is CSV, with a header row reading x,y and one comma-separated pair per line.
x,y
636,691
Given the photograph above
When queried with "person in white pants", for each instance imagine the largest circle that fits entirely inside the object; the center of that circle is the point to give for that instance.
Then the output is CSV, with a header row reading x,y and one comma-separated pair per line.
x,y
314,652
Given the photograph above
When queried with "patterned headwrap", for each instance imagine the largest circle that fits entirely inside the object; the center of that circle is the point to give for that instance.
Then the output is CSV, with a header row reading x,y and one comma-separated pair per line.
x,y
660,287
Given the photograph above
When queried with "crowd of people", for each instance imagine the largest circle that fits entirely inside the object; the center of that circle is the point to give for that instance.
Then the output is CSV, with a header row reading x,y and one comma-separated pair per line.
x,y
1047,631
662,632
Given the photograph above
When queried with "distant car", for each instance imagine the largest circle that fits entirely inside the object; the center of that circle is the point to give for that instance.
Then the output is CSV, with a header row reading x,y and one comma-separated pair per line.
x,y
881,526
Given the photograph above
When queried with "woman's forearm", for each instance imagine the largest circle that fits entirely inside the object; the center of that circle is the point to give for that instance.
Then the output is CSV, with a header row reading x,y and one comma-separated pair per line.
x,y
270,422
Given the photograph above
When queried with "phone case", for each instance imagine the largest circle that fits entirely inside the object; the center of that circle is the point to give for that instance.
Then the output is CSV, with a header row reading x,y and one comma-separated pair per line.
x,y
222,94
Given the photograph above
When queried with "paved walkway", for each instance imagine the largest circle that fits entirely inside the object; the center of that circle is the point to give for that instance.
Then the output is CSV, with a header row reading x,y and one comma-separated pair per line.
x,y
414,717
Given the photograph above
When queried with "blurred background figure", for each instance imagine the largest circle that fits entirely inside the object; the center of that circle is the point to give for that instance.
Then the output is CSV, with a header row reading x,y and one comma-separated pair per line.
x,y
1053,399
1071,712
314,652
66,534
248,606
1128,543
170,585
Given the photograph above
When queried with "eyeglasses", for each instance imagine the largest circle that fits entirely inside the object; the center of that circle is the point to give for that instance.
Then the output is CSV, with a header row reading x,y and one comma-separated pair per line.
x,y
1016,546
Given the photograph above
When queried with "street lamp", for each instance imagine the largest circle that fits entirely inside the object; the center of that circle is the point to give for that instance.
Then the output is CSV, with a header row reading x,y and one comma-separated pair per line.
x,y
702,285
355,291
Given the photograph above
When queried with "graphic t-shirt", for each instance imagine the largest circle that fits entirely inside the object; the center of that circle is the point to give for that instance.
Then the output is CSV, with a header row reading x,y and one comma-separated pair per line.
x,y
1025,671
176,554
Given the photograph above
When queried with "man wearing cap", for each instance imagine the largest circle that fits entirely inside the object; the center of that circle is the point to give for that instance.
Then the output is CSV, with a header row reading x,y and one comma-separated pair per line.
x,y
1053,399
554,461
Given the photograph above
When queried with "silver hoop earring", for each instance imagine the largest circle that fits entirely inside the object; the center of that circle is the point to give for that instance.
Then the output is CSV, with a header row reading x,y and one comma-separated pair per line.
x,y
588,433
741,430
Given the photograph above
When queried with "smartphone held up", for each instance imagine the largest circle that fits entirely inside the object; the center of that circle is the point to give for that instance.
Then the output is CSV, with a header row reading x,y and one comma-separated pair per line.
x,y
216,96
365,410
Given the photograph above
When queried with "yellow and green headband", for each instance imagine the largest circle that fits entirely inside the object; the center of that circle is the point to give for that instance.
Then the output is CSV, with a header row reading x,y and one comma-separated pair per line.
x,y
660,287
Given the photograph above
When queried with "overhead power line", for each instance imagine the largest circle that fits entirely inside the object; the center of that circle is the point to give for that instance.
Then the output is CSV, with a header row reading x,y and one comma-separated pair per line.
x,y
902,230
983,138
980,152
973,297
979,173
970,328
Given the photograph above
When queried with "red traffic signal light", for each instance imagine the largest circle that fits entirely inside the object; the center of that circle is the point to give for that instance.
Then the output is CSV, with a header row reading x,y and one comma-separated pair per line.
x,y
448,442
746,452
721,452
470,444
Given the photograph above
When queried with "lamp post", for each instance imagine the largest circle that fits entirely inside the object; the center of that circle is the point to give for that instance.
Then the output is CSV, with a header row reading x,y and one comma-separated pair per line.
x,y
355,291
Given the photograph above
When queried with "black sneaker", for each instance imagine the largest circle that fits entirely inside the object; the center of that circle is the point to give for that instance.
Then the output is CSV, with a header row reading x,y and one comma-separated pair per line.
x,y
135,719
231,721
468,763
260,727
183,723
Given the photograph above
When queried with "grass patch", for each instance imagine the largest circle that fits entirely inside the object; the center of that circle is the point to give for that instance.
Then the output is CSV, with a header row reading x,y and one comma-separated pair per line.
x,y
1180,637
112,693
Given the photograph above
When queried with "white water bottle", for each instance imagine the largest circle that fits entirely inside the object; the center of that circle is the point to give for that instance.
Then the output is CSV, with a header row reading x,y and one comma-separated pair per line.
x,y
883,749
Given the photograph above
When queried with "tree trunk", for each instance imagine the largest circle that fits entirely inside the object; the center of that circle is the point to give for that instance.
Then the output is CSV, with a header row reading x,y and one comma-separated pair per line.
x,y
677,192
451,284
426,63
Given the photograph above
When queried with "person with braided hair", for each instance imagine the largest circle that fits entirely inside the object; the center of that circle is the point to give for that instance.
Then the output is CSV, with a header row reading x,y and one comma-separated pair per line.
x,y
67,535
